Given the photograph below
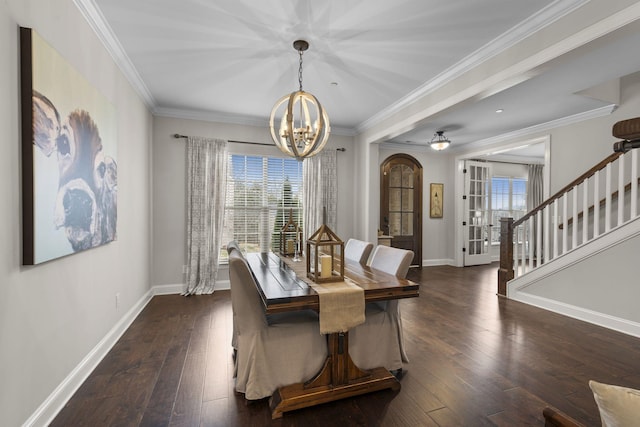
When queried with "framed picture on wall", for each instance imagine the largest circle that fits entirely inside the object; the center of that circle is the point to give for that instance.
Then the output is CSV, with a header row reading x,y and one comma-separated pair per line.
x,y
436,200
69,169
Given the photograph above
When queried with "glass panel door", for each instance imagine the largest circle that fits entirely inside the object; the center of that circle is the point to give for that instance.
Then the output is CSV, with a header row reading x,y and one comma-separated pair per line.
x,y
477,210
401,203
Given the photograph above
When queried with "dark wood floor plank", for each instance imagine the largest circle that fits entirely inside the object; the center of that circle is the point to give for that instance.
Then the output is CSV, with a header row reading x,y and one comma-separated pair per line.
x,y
188,404
215,413
476,360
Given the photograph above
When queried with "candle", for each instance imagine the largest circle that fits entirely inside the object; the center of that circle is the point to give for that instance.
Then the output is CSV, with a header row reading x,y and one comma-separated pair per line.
x,y
290,246
325,266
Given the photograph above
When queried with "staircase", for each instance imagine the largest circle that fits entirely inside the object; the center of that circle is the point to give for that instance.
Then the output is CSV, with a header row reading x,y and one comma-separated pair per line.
x,y
578,253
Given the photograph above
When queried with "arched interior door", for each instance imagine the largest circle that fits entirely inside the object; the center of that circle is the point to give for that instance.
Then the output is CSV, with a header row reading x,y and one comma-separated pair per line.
x,y
401,203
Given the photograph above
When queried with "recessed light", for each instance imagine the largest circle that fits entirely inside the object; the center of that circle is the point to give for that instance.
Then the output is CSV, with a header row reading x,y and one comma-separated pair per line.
x,y
499,110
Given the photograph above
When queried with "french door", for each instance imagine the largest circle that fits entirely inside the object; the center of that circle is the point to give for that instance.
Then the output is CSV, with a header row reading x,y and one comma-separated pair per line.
x,y
477,213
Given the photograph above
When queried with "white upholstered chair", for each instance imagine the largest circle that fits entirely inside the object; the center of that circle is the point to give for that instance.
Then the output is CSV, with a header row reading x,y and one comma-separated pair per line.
x,y
391,260
379,341
273,350
358,250
233,245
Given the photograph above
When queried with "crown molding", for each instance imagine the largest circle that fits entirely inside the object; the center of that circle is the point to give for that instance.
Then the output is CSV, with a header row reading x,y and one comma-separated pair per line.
x,y
209,116
524,29
217,117
98,23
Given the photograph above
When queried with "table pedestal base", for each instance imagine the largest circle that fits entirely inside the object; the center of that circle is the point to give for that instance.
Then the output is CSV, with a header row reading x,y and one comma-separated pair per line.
x,y
339,378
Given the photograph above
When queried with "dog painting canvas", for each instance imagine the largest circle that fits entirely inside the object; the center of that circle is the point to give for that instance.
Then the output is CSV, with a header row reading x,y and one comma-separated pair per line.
x,y
70,174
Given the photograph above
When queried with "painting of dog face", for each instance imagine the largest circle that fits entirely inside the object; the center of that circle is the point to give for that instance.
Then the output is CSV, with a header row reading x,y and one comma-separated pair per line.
x,y
70,173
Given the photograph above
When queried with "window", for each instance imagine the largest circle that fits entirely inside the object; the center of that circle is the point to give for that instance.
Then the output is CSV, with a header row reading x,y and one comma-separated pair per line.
x,y
261,191
508,199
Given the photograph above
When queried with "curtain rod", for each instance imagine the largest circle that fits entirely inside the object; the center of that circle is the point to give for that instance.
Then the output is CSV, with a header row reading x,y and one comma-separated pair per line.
x,y
177,135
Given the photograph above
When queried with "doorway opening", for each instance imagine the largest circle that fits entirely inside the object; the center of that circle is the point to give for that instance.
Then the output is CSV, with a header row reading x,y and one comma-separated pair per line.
x,y
475,229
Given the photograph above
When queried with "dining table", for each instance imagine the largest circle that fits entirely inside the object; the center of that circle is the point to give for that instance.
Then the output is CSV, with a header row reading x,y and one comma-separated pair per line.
x,y
283,286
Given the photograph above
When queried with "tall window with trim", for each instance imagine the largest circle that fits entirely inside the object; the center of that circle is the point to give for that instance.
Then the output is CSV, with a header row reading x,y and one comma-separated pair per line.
x,y
508,199
261,193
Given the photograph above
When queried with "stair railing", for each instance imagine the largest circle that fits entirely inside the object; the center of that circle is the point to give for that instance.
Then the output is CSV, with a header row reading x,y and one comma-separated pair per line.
x,y
555,227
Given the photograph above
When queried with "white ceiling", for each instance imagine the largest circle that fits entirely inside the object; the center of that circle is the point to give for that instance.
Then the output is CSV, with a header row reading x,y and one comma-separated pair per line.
x,y
230,60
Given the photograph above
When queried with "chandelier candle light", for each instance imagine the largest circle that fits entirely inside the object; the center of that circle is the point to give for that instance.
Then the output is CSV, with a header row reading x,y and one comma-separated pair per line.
x,y
306,134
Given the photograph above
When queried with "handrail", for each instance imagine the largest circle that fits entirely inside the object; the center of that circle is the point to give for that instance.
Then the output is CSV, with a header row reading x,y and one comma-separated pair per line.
x,y
601,165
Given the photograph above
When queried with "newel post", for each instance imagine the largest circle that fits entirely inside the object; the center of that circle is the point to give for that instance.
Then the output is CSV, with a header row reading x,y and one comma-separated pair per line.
x,y
505,273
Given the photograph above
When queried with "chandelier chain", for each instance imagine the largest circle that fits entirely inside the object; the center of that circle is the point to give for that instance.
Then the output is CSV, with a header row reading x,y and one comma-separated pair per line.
x,y
300,70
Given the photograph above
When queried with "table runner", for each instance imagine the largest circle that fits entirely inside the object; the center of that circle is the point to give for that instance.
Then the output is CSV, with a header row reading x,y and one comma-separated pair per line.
x,y
341,303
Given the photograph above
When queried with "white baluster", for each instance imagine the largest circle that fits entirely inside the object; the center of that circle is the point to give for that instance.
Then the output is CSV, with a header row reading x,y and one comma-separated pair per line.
x,y
634,184
555,228
607,199
516,265
585,210
565,224
621,190
523,250
546,233
596,204
574,227
539,238
531,240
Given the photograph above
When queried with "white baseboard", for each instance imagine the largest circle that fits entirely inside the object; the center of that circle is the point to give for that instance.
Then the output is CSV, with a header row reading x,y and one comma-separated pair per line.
x,y
435,262
47,411
222,285
178,288
600,319
59,397
168,289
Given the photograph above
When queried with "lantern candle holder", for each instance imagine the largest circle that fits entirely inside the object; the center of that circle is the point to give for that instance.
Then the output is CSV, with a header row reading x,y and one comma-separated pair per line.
x,y
290,236
325,256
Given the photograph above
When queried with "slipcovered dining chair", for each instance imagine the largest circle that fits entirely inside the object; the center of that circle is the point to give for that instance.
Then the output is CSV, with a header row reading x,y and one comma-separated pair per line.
x,y
233,245
391,260
273,350
358,250
379,341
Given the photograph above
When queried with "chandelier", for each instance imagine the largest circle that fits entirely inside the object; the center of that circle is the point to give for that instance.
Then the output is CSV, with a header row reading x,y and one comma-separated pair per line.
x,y
303,127
439,141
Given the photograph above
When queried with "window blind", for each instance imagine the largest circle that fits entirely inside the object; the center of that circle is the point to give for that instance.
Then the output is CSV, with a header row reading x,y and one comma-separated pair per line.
x,y
261,193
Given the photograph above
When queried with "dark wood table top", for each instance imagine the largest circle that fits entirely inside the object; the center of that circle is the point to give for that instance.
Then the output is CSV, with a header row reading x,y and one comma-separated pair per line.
x,y
283,286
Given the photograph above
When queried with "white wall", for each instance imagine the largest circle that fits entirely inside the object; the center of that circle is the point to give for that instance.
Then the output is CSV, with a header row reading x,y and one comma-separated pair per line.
x,y
169,188
52,315
591,284
601,288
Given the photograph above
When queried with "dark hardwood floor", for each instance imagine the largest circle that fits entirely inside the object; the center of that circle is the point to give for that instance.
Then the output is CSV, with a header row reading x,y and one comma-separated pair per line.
x,y
476,360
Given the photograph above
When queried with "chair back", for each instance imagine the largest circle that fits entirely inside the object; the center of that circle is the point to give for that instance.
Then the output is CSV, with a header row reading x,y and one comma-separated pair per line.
x,y
233,245
357,250
245,300
394,261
